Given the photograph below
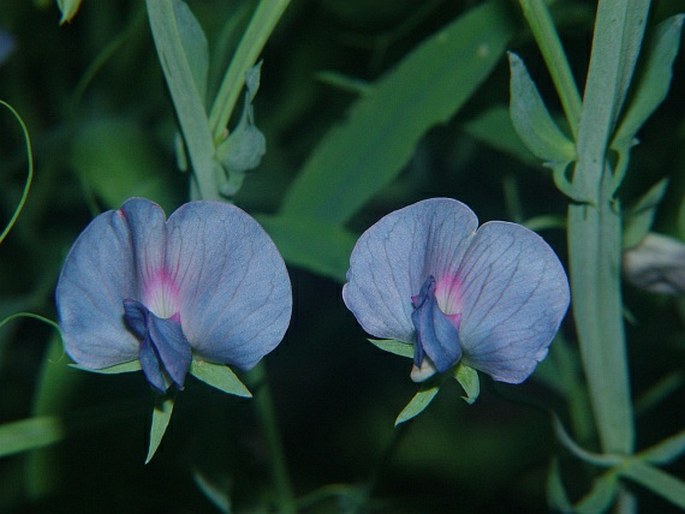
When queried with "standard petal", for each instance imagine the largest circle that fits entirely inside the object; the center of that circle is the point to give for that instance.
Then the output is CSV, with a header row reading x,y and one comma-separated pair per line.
x,y
393,258
514,294
234,289
146,224
97,275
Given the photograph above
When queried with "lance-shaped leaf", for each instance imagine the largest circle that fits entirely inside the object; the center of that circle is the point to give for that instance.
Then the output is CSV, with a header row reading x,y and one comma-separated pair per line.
x,y
638,219
182,54
653,83
161,415
536,127
417,404
532,121
361,155
69,8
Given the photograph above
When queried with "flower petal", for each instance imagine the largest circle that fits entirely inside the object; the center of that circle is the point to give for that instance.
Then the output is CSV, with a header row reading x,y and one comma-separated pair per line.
x,y
435,333
234,289
164,348
393,258
514,293
146,224
97,274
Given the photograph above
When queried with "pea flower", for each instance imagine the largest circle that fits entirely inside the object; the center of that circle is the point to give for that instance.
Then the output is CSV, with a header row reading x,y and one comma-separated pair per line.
x,y
490,297
208,282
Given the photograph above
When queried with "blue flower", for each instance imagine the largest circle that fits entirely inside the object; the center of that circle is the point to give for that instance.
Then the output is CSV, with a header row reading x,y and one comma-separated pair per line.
x,y
491,297
208,283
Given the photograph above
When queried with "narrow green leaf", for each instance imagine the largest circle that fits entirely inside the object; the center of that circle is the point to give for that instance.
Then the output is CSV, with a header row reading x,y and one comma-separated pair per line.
x,y
666,451
655,80
41,431
69,8
601,496
188,101
28,434
261,25
124,367
544,30
361,155
630,18
639,218
532,121
314,245
469,381
619,28
660,482
417,404
161,415
219,376
194,45
394,346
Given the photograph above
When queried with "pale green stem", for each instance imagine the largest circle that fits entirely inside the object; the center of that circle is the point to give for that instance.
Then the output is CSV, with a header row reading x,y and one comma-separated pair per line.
x,y
595,227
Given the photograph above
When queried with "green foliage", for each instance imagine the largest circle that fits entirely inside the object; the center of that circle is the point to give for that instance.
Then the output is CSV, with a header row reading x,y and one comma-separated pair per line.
x,y
640,217
363,154
178,38
320,247
394,346
161,415
532,121
469,381
219,376
28,434
69,9
418,403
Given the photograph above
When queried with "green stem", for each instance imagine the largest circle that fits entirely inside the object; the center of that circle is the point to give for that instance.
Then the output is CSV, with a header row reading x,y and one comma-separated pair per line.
x,y
261,26
594,228
264,407
544,31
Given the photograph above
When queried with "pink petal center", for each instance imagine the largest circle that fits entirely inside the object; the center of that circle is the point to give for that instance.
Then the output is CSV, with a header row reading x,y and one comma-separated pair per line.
x,y
161,295
448,295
